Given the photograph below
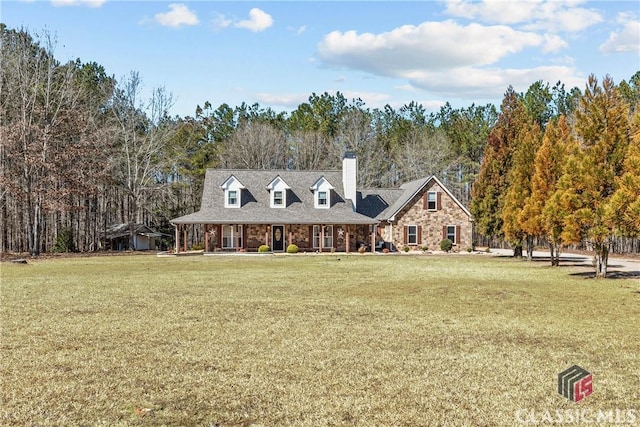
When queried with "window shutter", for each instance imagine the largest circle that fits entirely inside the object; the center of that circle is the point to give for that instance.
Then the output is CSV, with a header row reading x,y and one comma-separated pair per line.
x,y
438,200
425,202
419,235
457,234
444,232
406,234
219,236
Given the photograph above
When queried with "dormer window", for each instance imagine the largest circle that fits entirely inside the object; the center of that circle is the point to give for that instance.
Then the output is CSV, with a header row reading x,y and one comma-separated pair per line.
x,y
232,198
278,199
323,200
232,192
322,193
278,192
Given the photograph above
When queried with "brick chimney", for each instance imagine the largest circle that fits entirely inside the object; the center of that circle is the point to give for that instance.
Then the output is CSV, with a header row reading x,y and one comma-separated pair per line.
x,y
349,170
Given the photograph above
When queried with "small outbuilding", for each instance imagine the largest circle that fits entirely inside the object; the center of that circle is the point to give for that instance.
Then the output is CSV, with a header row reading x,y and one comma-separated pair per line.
x,y
139,237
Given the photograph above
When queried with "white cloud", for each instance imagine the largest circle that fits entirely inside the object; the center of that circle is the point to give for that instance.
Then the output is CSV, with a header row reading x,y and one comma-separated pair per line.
x,y
429,46
553,43
550,15
220,22
627,39
258,21
290,100
489,83
178,16
90,3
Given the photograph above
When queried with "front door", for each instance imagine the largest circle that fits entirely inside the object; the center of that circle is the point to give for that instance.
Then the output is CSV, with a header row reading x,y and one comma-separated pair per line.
x,y
277,238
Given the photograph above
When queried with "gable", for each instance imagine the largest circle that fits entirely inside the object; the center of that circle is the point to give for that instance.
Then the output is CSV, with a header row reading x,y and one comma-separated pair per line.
x,y
416,192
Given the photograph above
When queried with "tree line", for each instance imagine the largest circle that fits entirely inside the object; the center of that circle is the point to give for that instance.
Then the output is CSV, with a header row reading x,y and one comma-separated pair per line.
x,y
81,150
564,177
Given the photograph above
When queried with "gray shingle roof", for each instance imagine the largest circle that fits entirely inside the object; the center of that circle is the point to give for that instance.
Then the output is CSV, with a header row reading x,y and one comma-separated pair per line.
x,y
255,205
373,205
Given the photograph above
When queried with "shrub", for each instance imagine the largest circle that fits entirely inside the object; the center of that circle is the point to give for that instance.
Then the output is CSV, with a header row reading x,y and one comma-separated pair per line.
x,y
362,249
425,248
488,250
446,245
197,247
264,248
292,249
64,241
469,250
406,248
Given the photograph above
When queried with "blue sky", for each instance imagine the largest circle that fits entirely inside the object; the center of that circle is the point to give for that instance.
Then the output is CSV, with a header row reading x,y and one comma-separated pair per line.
x,y
384,52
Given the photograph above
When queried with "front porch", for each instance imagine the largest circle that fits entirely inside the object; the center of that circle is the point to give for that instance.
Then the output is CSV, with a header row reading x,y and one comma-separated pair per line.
x,y
308,237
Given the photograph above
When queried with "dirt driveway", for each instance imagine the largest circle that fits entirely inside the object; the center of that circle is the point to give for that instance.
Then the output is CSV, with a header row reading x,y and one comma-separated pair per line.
x,y
619,265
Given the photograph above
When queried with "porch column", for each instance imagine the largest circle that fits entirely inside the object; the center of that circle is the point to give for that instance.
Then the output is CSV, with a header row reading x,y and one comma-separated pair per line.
x,y
373,238
320,243
177,245
266,235
184,233
206,237
348,237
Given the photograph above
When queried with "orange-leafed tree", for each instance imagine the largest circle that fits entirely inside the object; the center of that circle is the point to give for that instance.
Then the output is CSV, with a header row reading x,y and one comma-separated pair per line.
x,y
535,219
624,207
589,179
519,180
490,187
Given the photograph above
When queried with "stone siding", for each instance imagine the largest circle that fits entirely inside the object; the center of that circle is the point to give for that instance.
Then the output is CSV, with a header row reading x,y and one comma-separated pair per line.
x,y
431,222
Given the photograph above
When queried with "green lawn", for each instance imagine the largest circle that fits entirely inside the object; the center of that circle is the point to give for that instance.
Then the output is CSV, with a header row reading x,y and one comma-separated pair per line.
x,y
310,340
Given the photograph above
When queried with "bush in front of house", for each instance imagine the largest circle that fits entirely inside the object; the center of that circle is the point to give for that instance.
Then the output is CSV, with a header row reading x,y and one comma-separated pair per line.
x,y
406,248
264,248
292,249
446,245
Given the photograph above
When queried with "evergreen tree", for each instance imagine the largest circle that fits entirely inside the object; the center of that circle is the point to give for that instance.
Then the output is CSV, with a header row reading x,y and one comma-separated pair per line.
x,y
624,207
490,187
535,219
589,179
519,181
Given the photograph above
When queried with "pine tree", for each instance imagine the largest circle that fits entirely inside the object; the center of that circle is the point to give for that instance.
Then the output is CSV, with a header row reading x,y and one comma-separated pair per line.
x,y
519,182
534,219
623,211
491,185
589,179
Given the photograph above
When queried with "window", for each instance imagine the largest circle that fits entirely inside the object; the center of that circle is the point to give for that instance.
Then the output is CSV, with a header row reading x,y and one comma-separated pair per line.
x,y
232,198
231,236
432,200
412,234
278,199
324,235
278,192
232,192
451,233
322,199
328,237
322,193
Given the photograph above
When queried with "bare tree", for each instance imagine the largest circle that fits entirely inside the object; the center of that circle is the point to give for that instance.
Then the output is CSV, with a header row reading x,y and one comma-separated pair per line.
x,y
256,145
142,131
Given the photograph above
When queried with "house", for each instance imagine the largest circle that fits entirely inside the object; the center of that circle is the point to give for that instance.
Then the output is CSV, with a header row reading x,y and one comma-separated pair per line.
x,y
322,211
138,237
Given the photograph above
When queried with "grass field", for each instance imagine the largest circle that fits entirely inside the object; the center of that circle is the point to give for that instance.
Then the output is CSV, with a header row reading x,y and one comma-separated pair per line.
x,y
312,340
